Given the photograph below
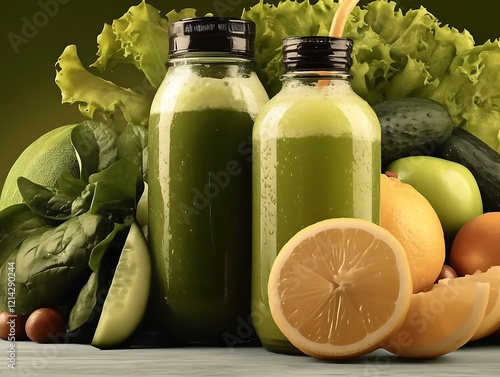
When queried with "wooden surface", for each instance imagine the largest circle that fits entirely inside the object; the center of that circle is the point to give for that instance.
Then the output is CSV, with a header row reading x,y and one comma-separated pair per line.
x,y
79,360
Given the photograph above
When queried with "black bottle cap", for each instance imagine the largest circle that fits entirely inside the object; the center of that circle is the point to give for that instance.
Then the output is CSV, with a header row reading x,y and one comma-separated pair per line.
x,y
211,34
317,53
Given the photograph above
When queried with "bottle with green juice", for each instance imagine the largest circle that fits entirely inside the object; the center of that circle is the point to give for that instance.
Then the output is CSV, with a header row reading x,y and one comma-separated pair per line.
x,y
200,199
316,155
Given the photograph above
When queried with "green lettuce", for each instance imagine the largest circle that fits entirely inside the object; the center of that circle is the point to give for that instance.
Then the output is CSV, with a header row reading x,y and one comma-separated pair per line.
x,y
138,38
471,91
98,98
396,55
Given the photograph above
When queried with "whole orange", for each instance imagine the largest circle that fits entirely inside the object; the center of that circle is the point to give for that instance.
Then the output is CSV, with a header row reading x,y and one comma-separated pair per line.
x,y
477,244
411,219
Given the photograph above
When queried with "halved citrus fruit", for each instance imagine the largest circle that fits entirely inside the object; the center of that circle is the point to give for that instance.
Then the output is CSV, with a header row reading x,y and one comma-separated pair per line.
x,y
339,287
440,320
491,320
128,294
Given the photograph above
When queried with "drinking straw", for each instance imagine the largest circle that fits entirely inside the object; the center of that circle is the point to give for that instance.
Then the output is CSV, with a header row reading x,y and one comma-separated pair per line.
x,y
340,18
338,24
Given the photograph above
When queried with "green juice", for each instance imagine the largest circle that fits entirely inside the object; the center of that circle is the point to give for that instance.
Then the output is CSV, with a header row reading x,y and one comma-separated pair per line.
x,y
200,223
314,157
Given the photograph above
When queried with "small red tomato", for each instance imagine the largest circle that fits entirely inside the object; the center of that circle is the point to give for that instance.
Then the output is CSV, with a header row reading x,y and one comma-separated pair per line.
x,y
12,326
45,325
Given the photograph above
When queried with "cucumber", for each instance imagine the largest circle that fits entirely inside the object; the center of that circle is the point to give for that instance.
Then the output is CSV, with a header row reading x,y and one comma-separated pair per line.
x,y
412,126
483,162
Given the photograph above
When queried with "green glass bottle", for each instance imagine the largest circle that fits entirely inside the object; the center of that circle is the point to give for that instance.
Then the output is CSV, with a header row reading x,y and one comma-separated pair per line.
x,y
200,185
316,155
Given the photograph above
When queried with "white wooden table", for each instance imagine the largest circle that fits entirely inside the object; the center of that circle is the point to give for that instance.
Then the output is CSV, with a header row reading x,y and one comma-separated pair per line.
x,y
80,360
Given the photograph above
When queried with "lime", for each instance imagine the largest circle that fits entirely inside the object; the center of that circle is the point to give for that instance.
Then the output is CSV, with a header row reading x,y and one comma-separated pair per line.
x,y
127,298
41,162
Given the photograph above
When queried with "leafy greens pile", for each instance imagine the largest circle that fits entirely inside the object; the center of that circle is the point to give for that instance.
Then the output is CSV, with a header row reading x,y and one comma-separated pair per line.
x,y
56,240
395,56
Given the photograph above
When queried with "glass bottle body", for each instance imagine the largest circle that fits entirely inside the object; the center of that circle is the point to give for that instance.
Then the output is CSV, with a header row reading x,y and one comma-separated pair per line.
x,y
316,155
200,195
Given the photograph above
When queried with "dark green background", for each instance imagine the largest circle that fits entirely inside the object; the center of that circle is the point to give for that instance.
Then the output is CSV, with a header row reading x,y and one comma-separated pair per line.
x,y
30,100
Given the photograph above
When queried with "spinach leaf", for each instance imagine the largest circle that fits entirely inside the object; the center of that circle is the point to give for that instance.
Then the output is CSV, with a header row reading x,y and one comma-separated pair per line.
x,y
45,201
52,263
96,147
69,185
103,260
133,146
85,303
17,222
117,191
113,192
69,199
15,216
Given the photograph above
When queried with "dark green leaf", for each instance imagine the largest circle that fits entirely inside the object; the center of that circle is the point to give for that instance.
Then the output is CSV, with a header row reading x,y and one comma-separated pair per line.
x,y
17,222
117,190
45,201
84,305
69,185
102,262
133,146
100,250
96,147
50,265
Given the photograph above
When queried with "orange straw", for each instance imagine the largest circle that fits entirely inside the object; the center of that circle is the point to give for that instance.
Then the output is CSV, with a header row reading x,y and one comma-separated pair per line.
x,y
338,23
340,18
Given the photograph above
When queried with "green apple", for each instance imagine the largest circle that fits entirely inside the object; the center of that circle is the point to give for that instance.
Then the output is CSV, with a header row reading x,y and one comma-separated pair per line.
x,y
449,187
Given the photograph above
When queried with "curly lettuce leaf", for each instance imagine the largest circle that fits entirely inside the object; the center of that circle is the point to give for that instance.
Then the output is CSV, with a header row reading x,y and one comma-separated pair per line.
x,y
140,37
98,98
471,91
387,44
396,55
275,23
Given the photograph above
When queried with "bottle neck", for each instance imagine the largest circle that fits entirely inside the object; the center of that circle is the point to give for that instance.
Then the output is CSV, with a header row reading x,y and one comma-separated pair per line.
x,y
218,58
315,77
217,66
